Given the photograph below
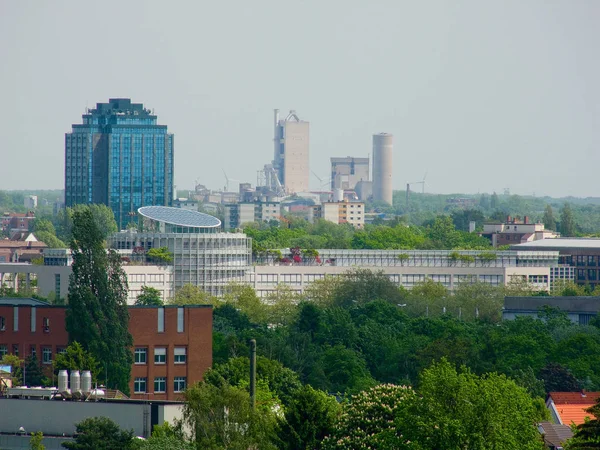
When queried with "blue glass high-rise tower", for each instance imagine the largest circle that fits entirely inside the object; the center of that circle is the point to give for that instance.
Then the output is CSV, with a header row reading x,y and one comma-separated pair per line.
x,y
119,156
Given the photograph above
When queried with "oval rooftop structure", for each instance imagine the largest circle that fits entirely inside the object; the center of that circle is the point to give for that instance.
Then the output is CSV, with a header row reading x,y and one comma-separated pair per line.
x,y
179,217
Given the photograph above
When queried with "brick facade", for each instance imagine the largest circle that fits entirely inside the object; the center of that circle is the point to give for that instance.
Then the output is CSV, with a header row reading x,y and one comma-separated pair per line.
x,y
186,331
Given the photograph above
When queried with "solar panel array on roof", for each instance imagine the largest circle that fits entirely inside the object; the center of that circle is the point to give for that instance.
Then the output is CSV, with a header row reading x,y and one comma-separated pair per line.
x,y
180,217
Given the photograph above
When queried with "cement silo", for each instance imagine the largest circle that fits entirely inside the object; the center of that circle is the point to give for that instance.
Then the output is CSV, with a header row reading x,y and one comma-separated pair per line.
x,y
382,167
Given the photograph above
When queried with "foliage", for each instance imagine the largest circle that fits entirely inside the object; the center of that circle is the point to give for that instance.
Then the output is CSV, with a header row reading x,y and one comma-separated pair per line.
x,y
97,316
160,255
36,441
221,417
103,218
149,297
76,358
189,294
548,218
16,363
33,373
163,443
557,378
369,420
567,221
100,433
310,415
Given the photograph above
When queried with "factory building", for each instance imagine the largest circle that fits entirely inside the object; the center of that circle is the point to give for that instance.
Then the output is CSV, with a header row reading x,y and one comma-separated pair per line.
x,y
382,167
347,172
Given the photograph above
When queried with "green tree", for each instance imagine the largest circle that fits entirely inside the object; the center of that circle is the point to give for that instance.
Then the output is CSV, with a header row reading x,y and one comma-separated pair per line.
x,y
76,358
369,421
36,441
33,373
567,221
221,417
49,239
149,297
100,433
189,294
97,316
309,417
164,443
16,363
160,255
548,218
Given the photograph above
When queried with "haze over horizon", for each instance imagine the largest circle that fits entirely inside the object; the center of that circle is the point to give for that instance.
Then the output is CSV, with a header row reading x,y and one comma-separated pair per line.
x,y
481,96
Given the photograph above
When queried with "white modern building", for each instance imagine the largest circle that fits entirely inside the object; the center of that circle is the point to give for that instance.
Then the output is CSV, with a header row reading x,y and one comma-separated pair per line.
x,y
408,267
290,160
202,255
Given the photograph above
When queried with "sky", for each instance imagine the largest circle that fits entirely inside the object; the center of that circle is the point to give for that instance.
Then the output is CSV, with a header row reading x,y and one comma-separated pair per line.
x,y
479,95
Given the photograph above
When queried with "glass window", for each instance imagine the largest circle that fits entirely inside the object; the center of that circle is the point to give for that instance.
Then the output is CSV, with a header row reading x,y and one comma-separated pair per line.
x,y
15,319
2,323
591,260
180,355
179,384
15,349
161,320
160,355
47,355
180,320
3,350
141,355
160,384
139,385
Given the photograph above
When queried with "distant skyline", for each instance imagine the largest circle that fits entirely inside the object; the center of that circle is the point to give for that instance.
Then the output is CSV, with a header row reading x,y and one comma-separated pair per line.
x,y
482,96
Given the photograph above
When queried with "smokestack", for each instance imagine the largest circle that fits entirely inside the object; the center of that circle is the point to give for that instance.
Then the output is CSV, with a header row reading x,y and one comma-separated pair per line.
x,y
382,167
253,373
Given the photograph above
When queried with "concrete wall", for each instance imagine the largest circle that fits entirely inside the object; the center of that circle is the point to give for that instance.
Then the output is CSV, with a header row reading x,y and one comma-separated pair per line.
x,y
12,442
382,167
296,168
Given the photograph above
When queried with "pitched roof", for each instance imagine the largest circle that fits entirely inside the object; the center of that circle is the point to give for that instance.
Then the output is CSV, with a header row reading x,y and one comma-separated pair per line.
x,y
570,406
555,434
576,414
574,398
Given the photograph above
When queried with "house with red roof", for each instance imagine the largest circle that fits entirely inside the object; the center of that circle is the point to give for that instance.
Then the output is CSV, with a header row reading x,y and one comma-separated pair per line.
x,y
567,408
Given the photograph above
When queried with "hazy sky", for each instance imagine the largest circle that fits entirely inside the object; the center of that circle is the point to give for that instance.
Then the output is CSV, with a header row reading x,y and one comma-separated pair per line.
x,y
481,95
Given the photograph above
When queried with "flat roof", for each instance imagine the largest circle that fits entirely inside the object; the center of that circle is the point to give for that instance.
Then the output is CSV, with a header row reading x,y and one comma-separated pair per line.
x,y
559,243
180,217
21,301
575,303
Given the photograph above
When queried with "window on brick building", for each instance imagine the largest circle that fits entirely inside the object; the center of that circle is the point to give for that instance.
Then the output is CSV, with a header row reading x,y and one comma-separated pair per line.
x,y
180,320
2,323
3,350
33,351
180,355
141,355
47,355
15,349
139,385
160,355
179,384
160,384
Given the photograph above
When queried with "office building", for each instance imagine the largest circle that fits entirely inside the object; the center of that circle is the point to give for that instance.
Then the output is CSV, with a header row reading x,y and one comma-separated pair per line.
x,y
237,214
120,157
172,345
579,310
515,231
347,172
291,139
202,255
383,144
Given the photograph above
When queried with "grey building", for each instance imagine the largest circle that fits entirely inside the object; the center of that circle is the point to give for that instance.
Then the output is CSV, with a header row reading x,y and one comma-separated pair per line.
x,y
347,172
383,144
290,160
120,157
579,310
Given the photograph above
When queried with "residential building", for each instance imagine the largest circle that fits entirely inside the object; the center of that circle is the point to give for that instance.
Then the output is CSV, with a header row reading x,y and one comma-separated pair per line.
x,y
567,408
514,231
172,345
30,202
23,249
202,255
237,214
555,435
383,146
17,222
581,255
408,267
290,161
579,310
347,172
340,212
120,157
186,203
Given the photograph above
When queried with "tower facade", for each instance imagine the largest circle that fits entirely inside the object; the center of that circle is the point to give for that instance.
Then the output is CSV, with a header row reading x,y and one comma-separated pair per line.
x,y
120,157
347,172
291,138
383,144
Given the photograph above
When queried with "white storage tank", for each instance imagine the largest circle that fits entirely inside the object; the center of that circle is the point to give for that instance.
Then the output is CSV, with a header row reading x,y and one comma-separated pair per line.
x,y
338,195
86,381
75,381
63,381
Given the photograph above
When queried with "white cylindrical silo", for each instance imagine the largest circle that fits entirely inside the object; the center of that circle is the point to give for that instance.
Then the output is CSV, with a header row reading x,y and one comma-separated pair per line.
x,y
75,381
338,195
383,144
86,381
63,381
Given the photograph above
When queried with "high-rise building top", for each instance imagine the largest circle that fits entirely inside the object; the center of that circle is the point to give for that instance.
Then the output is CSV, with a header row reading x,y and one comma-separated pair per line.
x,y
291,138
382,167
120,157
347,172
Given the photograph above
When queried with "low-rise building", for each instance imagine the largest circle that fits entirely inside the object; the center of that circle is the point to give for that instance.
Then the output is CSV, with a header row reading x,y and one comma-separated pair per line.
x,y
514,231
24,248
340,212
579,310
568,408
172,345
235,215
12,222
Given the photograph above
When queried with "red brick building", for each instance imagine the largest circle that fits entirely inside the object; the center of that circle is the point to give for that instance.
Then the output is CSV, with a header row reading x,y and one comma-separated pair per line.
x,y
172,344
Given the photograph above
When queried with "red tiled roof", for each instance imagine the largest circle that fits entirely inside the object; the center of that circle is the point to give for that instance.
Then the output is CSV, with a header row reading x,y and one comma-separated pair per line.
x,y
573,413
574,398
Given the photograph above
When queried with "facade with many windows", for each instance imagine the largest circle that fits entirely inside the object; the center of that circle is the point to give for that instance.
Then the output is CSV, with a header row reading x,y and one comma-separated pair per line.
x,y
120,157
172,345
